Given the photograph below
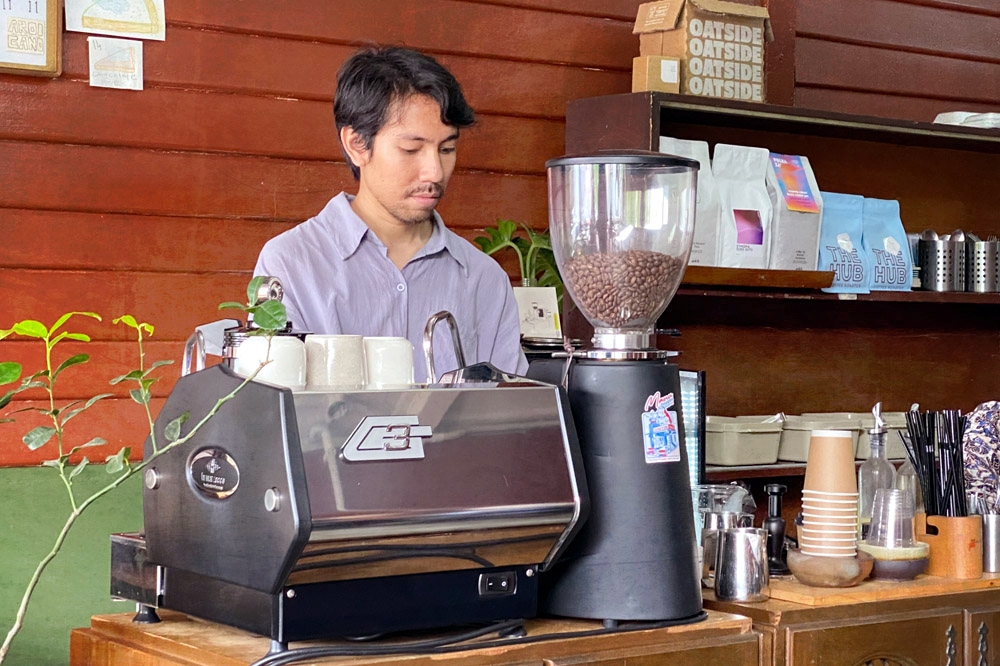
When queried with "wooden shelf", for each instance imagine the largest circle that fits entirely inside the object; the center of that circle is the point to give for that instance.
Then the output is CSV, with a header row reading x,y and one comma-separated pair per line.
x,y
745,277
715,473
774,118
804,285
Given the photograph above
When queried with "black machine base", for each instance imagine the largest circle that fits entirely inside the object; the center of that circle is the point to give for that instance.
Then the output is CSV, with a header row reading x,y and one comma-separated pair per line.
x,y
635,558
360,607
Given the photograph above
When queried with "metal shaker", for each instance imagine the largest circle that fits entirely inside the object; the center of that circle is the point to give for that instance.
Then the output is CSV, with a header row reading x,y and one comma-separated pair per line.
x,y
715,522
741,572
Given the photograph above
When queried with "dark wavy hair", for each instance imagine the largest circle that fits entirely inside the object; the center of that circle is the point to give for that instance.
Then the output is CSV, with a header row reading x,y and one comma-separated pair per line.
x,y
375,77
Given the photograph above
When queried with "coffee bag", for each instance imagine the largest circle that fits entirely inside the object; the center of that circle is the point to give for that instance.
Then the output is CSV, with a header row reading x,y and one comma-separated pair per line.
x,y
705,247
886,246
798,212
745,218
840,247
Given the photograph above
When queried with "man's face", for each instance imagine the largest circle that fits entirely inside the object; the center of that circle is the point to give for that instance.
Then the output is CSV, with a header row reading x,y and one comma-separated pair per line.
x,y
410,161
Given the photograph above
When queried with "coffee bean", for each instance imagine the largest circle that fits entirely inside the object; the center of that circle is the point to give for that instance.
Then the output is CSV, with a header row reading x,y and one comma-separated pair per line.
x,y
621,288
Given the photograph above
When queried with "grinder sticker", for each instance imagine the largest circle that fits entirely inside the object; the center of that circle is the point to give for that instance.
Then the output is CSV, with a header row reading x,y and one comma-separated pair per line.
x,y
659,430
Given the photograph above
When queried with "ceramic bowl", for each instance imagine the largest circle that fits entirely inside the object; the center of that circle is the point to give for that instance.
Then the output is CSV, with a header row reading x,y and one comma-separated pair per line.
x,y
829,571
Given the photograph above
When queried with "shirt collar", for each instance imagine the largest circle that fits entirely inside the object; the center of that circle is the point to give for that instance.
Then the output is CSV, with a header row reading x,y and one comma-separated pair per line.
x,y
350,230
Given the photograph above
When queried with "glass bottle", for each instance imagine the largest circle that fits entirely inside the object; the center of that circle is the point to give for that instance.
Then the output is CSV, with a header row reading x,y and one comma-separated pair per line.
x,y
906,479
875,472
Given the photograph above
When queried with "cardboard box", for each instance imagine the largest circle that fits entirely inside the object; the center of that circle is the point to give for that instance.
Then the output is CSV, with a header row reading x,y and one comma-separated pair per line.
x,y
720,44
659,73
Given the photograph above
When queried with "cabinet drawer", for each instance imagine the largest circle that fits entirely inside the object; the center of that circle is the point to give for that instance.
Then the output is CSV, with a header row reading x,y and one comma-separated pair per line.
x,y
982,636
931,637
738,650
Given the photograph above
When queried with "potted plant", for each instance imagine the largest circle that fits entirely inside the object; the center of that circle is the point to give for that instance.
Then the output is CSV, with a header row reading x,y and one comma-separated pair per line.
x,y
539,296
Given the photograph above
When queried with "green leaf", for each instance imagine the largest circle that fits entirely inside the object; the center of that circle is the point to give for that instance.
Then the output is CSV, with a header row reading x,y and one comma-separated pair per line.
x,y
173,429
128,320
79,467
116,463
145,383
31,328
141,396
253,287
147,327
134,375
71,361
54,464
37,437
232,305
80,337
9,372
62,320
97,441
87,406
156,364
270,316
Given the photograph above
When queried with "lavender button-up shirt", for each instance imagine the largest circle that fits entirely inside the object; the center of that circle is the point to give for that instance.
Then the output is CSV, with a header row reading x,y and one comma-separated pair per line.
x,y
338,279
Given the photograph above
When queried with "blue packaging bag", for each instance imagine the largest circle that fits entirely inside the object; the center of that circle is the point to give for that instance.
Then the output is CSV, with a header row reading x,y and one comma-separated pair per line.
x,y
886,247
840,248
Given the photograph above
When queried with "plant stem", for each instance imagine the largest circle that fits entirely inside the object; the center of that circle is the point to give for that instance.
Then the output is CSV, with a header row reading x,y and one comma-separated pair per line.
x,y
129,473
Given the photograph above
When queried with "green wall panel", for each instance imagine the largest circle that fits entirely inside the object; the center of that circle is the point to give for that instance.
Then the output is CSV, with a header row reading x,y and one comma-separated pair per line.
x,y
33,507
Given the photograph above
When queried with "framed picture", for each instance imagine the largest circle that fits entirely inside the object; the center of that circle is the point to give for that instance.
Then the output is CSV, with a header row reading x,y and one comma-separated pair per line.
x,y
30,37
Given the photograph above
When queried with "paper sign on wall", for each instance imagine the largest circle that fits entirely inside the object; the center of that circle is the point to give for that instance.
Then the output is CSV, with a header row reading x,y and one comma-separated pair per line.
x,y
115,63
140,19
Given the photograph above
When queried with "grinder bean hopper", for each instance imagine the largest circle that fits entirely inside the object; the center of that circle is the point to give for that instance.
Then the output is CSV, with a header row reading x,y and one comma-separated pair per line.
x,y
621,224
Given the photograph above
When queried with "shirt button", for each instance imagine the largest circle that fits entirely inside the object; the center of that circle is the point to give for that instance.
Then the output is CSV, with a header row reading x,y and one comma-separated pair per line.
x,y
400,287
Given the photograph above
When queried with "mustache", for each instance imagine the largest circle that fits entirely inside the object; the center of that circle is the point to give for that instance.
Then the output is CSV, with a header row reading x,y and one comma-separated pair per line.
x,y
427,190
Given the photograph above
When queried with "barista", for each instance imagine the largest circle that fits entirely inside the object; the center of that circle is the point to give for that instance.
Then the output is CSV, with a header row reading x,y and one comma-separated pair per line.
x,y
382,262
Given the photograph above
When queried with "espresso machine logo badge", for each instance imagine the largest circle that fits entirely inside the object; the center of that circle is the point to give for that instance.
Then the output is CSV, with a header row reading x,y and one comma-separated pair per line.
x,y
214,473
386,438
659,429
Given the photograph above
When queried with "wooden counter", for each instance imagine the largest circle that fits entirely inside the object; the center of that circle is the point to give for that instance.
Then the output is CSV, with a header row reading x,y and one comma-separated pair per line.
x,y
929,620
721,640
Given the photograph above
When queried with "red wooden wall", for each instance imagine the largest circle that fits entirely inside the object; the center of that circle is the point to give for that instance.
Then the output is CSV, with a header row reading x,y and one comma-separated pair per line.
x,y
909,59
155,203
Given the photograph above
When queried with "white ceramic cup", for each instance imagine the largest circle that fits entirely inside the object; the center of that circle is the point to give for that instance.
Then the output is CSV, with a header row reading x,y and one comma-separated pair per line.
x,y
285,358
335,362
389,362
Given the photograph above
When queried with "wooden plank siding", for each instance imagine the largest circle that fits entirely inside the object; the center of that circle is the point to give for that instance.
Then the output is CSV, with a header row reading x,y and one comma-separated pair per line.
x,y
156,203
908,59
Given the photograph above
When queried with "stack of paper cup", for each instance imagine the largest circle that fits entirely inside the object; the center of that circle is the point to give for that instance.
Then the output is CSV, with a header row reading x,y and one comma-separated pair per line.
x,y
830,496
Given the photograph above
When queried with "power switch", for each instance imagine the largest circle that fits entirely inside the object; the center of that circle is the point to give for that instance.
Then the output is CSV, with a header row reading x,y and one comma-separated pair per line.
x,y
497,584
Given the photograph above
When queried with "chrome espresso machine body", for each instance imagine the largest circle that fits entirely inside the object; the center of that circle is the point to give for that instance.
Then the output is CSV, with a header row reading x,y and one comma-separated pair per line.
x,y
307,514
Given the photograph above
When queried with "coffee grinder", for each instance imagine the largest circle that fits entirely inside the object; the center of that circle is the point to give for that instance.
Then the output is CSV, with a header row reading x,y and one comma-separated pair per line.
x,y
621,224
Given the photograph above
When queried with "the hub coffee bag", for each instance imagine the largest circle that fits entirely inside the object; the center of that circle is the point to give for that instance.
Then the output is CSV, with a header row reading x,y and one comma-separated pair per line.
x,y
840,247
745,218
886,246
705,247
798,212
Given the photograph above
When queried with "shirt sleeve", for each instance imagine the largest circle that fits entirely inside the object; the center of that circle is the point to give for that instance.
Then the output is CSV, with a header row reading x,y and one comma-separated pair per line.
x,y
507,353
270,263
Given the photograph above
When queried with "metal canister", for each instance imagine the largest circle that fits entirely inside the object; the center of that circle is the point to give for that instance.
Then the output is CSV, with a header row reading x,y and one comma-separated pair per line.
x,y
982,266
942,265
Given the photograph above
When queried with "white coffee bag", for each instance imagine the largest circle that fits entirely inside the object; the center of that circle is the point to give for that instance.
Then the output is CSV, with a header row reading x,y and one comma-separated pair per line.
x,y
705,247
798,213
745,227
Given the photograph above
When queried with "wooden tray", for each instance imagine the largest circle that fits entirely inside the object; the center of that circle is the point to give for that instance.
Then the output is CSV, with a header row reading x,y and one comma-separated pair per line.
x,y
789,589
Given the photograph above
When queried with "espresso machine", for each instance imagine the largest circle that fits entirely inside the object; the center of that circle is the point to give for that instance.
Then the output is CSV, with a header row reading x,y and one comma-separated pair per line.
x,y
621,225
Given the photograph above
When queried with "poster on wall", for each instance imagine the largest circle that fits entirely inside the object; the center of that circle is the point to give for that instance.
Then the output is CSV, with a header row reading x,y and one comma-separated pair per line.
x,y
115,63
30,37
138,19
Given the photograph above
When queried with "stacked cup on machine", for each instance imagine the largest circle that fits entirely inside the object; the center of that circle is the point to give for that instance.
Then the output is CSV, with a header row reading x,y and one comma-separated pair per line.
x,y
830,496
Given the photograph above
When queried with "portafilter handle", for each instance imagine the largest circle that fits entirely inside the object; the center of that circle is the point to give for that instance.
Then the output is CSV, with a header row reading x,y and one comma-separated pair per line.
x,y
429,342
